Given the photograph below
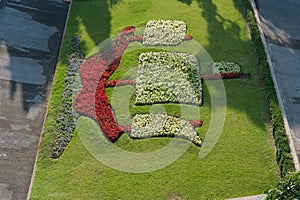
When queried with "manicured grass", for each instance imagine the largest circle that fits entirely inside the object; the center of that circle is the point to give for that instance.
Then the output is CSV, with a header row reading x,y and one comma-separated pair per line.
x,y
242,162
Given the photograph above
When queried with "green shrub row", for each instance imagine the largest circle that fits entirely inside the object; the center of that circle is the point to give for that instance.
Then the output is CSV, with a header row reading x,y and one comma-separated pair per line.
x,y
287,189
284,158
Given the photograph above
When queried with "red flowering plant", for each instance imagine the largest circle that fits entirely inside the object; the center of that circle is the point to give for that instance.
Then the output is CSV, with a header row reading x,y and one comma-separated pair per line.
x,y
92,100
188,37
196,123
226,76
115,83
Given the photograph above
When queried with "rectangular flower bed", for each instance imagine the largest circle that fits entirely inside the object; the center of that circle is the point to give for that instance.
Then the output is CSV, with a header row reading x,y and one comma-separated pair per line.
x,y
164,32
168,77
225,67
154,125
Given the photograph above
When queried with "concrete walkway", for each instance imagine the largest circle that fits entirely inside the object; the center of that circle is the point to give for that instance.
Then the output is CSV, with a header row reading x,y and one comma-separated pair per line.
x,y
30,36
280,24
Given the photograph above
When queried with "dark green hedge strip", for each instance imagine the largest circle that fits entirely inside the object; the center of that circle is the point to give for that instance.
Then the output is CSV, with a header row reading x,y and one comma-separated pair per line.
x,y
287,189
284,158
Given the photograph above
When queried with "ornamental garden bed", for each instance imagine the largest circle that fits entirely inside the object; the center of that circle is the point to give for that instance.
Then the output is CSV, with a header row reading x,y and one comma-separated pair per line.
x,y
244,152
168,77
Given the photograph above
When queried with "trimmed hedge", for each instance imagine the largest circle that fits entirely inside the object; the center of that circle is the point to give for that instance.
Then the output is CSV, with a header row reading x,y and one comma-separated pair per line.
x,y
284,158
287,189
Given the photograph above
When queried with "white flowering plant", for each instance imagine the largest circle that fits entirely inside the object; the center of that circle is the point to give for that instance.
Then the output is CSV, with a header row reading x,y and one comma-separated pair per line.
x,y
168,77
223,67
164,33
154,125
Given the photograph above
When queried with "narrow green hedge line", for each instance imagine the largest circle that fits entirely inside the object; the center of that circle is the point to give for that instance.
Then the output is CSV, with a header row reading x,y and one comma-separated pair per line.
x,y
287,189
284,158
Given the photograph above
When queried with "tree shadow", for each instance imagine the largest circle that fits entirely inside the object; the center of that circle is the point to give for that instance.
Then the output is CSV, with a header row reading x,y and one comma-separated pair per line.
x,y
95,19
188,2
223,33
113,2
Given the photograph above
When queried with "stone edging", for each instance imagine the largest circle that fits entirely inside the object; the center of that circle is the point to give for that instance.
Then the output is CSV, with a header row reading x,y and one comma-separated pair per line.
x,y
286,124
257,197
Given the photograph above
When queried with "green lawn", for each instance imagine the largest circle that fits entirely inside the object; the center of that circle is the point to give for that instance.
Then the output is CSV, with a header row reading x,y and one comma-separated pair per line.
x,y
242,162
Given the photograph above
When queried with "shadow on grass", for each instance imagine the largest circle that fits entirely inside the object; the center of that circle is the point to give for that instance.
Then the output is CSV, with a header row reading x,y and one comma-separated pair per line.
x,y
31,49
188,2
92,21
224,32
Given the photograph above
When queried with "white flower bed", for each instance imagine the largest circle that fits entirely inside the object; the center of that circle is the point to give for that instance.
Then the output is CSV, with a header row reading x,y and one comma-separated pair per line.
x,y
179,60
154,125
164,32
168,77
225,67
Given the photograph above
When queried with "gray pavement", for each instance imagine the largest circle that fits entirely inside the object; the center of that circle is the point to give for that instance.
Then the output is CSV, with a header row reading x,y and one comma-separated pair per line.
x,y
281,27
30,37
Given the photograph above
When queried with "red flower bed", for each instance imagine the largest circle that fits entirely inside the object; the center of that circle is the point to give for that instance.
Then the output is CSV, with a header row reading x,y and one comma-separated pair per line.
x,y
105,116
114,83
187,37
196,123
139,38
92,100
126,128
226,76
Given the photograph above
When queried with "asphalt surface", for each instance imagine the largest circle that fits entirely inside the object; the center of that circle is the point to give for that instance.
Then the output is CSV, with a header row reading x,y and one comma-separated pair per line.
x,y
280,24
30,37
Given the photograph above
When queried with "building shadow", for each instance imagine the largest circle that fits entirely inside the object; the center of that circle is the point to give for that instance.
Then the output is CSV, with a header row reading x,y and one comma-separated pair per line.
x,y
32,64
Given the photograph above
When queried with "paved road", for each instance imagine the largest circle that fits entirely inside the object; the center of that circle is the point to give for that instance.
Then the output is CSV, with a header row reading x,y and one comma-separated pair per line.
x,y
30,36
280,23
